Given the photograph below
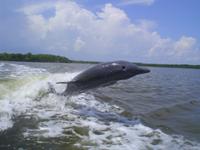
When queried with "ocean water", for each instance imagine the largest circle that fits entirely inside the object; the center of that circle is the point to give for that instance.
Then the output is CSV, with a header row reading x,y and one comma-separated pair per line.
x,y
159,110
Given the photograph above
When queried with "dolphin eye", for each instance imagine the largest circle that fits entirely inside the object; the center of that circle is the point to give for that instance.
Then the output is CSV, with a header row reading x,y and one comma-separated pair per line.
x,y
123,67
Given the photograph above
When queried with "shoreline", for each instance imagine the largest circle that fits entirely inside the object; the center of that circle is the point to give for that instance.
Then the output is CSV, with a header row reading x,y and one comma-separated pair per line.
x,y
49,58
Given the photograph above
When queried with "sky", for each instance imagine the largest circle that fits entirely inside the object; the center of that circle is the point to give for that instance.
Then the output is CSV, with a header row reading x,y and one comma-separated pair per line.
x,y
148,31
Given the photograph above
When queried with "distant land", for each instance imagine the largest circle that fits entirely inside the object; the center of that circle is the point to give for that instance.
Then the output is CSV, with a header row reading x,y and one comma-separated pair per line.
x,y
29,57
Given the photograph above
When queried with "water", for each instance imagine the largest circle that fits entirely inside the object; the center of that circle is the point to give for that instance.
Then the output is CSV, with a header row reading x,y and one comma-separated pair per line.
x,y
158,110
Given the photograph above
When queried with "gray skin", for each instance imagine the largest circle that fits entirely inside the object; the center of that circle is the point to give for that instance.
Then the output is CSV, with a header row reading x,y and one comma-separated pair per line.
x,y
101,75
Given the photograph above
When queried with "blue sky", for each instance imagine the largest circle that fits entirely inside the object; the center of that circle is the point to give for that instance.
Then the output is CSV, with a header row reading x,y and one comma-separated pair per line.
x,y
152,31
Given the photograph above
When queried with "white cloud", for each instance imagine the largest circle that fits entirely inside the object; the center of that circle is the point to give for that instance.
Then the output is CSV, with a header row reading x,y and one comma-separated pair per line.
x,y
184,45
36,8
78,44
147,24
133,2
106,35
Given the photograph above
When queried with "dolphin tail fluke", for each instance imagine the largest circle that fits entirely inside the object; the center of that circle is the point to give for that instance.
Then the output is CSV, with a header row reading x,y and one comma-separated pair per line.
x,y
71,89
51,89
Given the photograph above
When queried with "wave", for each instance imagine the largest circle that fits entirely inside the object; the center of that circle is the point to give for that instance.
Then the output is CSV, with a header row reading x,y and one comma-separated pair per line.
x,y
80,120
9,70
181,118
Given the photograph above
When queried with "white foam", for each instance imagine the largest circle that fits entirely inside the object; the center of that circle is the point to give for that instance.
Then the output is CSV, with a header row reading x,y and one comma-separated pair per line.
x,y
23,99
5,117
1,64
135,137
10,70
22,70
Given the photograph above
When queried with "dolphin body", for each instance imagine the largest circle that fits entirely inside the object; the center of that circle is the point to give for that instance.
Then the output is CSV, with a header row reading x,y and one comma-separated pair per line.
x,y
101,75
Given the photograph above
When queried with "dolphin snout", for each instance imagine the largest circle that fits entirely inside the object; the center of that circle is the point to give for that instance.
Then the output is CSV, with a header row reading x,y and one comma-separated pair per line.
x,y
142,70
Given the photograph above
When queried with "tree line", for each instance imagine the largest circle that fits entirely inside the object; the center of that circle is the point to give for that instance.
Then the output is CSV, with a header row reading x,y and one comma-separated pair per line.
x,y
29,57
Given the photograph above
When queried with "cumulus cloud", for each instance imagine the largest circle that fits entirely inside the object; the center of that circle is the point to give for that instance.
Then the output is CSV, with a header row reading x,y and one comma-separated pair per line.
x,y
184,45
133,2
109,34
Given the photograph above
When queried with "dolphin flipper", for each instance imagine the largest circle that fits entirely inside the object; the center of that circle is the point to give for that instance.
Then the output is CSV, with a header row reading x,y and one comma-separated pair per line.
x,y
109,83
62,82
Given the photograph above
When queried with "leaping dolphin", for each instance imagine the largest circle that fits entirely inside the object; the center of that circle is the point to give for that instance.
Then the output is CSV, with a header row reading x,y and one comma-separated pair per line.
x,y
100,75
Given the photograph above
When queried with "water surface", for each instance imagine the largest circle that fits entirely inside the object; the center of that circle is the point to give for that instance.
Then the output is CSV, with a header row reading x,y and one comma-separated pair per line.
x,y
158,110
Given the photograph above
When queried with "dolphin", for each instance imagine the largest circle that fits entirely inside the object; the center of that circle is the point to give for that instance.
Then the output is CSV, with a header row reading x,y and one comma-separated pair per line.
x,y
101,75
